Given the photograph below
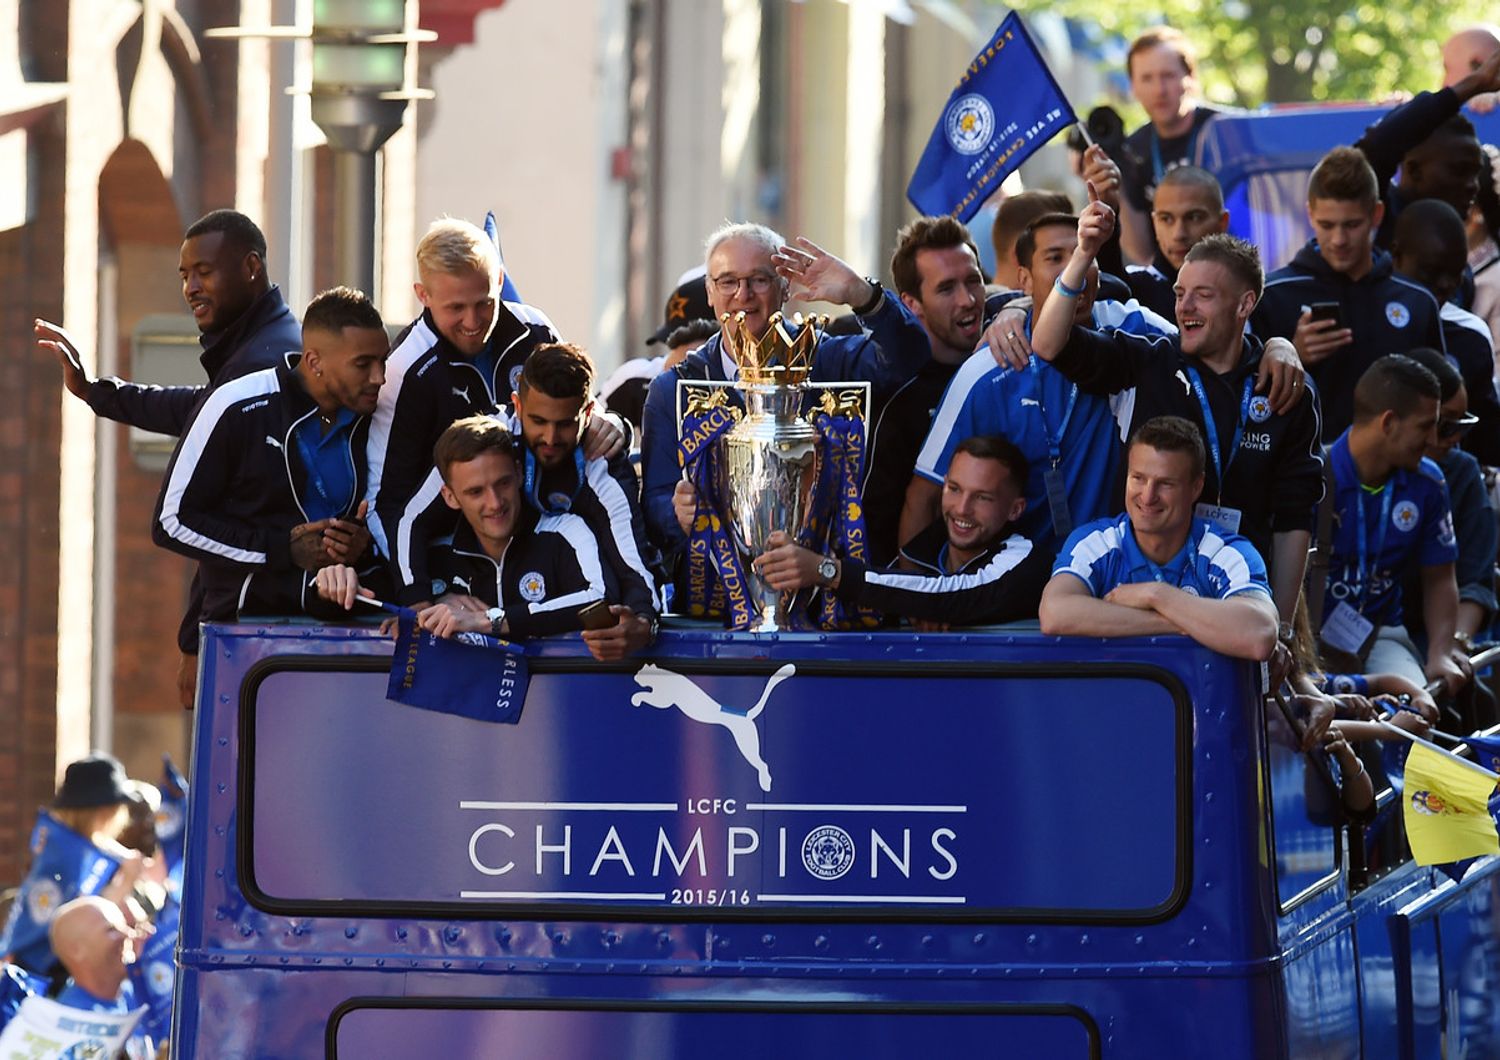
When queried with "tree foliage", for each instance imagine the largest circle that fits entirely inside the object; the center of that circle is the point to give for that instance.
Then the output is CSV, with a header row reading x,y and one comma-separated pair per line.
x,y
1278,51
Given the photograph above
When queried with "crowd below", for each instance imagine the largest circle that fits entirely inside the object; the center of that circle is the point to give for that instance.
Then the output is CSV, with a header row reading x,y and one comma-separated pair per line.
x,y
1130,429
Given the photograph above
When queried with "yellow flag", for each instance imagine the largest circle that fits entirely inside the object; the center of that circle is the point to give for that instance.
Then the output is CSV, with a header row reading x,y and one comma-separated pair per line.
x,y
1446,807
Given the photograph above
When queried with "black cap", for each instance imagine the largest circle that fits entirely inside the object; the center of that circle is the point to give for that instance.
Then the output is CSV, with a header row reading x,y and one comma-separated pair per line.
x,y
687,303
98,780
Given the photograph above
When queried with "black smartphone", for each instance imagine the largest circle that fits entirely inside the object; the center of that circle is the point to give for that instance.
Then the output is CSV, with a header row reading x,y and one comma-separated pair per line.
x,y
1327,311
598,616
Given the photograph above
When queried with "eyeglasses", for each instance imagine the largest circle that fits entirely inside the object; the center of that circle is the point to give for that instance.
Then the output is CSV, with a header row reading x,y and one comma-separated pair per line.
x,y
758,282
1456,427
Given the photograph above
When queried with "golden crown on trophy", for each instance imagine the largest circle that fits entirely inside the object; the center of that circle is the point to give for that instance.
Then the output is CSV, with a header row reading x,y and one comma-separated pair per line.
x,y
777,357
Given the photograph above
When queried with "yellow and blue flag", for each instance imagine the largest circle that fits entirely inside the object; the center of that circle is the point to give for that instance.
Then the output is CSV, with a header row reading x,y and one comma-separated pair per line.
x,y
1006,106
1446,807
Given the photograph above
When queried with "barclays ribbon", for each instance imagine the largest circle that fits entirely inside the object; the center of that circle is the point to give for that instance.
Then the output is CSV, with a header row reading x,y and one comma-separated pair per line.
x,y
64,866
470,675
839,518
715,577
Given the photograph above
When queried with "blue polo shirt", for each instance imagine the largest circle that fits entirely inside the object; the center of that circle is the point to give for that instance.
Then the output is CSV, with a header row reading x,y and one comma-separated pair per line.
x,y
1211,563
1031,409
1406,522
327,464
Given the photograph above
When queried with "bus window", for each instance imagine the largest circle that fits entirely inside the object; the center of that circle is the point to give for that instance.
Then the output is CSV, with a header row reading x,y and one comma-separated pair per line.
x,y
1305,815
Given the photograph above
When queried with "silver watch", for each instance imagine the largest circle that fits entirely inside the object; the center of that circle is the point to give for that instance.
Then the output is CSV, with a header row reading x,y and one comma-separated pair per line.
x,y
496,615
828,569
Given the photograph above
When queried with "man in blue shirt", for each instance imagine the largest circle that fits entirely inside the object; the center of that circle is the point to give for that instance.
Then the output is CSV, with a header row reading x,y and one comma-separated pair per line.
x,y
1158,570
1391,513
1068,437
94,944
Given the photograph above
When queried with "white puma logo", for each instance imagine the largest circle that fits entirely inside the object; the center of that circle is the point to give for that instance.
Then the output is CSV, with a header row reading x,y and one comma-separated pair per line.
x,y
1187,388
464,393
272,441
664,689
1030,401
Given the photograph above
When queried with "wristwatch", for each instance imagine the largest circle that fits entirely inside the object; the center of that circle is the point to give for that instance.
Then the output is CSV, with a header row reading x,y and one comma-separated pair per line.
x,y
875,299
496,615
828,569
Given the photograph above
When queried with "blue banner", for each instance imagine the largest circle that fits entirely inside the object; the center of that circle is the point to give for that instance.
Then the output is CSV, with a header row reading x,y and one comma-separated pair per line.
x,y
64,865
172,816
1486,751
470,675
508,292
154,974
715,577
1005,107
837,501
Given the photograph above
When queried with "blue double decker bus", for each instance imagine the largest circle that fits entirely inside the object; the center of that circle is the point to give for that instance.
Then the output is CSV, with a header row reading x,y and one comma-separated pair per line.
x,y
881,845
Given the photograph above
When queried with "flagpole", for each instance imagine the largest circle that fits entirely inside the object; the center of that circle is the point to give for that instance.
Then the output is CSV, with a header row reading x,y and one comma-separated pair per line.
x,y
1391,711
1083,130
1445,753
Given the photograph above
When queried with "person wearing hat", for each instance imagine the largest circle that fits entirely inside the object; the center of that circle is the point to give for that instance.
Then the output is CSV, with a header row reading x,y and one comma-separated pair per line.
x,y
75,850
688,322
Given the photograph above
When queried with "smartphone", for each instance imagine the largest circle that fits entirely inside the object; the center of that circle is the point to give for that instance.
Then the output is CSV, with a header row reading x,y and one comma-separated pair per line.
x,y
598,616
1327,311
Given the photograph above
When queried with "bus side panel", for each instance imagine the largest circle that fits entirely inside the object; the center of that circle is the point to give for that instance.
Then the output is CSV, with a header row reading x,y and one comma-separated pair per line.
x,y
1470,934
1373,908
1323,1000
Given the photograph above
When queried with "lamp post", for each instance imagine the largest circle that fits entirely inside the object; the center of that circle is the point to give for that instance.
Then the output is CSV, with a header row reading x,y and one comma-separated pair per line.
x,y
358,98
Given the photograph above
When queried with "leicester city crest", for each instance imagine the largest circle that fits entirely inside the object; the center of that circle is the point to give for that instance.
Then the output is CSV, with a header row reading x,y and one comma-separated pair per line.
x,y
1404,516
1260,408
515,378
1397,314
42,899
533,587
970,124
828,852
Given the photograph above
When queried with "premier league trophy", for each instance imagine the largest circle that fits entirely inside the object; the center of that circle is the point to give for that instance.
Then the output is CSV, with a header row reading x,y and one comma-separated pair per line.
x,y
770,458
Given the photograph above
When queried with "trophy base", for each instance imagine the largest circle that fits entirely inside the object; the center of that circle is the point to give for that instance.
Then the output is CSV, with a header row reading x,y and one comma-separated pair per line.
x,y
770,620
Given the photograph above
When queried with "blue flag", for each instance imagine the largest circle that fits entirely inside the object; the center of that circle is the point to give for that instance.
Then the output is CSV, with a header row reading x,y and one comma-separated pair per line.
x,y
171,819
1486,751
64,865
508,292
1006,106
154,974
470,675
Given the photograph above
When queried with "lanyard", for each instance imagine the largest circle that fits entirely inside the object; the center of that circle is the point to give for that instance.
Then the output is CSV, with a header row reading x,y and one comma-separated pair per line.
x,y
1212,429
1054,442
1189,562
558,502
1386,499
311,466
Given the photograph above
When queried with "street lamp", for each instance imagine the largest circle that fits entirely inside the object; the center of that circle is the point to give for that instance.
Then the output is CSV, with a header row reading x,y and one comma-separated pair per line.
x,y
359,94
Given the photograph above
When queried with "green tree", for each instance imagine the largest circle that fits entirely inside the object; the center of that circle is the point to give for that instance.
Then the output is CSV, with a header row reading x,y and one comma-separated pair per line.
x,y
1280,51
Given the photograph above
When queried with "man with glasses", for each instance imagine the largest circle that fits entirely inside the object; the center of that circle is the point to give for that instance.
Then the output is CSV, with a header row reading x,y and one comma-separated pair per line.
x,y
752,270
1473,516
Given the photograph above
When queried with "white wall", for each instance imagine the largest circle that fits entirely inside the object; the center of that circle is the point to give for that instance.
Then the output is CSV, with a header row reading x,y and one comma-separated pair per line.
x,y
525,124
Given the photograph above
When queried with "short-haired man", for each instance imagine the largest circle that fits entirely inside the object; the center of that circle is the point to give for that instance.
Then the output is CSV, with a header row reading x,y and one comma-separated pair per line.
x,y
1432,145
509,570
935,270
460,358
1189,204
1339,299
244,326
1163,69
553,404
1391,513
1432,248
266,485
750,270
1014,215
1157,569
1265,474
1067,437
1474,528
970,567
